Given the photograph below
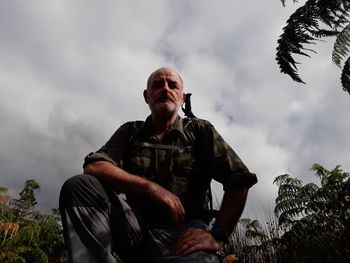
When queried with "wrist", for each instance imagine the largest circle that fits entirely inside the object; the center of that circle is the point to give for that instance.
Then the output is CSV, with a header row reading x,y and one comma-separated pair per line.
x,y
219,234
148,187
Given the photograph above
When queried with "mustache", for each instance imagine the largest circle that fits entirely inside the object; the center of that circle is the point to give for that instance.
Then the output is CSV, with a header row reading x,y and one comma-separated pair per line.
x,y
164,97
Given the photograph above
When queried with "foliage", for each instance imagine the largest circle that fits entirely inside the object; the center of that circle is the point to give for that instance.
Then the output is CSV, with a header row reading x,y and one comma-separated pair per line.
x,y
316,217
255,242
314,20
27,235
22,208
311,222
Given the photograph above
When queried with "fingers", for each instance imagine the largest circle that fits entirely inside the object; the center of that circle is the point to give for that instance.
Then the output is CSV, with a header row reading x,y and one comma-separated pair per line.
x,y
193,240
171,202
188,248
196,239
188,235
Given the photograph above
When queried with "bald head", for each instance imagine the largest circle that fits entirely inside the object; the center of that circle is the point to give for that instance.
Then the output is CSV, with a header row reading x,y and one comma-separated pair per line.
x,y
164,70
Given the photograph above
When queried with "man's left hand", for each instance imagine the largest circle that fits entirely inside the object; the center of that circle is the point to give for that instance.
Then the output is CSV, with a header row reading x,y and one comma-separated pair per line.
x,y
196,239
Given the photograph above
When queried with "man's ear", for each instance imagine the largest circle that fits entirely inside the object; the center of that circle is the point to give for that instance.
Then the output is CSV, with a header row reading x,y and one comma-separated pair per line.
x,y
145,95
183,98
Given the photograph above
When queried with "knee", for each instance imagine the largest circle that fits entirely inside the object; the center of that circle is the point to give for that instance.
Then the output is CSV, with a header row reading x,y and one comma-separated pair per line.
x,y
70,188
82,190
75,183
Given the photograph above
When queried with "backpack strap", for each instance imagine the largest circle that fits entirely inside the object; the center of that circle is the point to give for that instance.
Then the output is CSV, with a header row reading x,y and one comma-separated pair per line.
x,y
212,213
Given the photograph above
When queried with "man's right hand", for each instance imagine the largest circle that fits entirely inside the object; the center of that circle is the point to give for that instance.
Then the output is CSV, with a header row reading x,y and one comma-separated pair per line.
x,y
166,199
136,185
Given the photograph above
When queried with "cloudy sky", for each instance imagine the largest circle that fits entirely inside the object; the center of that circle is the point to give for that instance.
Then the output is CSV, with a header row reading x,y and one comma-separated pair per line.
x,y
71,72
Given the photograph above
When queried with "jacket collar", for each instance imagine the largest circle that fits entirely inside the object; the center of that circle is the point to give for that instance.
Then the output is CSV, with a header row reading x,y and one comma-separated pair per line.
x,y
148,128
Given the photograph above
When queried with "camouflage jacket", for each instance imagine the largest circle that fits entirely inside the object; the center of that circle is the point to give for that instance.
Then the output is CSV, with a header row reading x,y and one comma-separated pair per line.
x,y
189,156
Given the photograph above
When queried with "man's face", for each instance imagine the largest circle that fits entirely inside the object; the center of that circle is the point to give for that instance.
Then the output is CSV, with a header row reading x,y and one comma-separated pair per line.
x,y
164,93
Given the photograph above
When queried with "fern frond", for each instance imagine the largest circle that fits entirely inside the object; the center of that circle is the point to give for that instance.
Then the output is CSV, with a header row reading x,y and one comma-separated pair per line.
x,y
343,16
304,27
292,207
284,2
310,189
345,76
341,46
324,33
286,179
319,170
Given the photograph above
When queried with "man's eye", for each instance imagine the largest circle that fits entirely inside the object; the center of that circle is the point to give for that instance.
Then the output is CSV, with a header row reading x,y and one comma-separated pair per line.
x,y
173,85
157,84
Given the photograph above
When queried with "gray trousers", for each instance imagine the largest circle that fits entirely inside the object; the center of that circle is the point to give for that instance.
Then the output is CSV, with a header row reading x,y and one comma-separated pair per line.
x,y
97,222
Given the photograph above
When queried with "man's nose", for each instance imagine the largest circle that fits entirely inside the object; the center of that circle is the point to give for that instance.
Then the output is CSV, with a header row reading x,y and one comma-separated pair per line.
x,y
165,86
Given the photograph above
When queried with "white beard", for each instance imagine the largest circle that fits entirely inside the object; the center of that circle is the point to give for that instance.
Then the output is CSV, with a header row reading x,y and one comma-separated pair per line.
x,y
165,108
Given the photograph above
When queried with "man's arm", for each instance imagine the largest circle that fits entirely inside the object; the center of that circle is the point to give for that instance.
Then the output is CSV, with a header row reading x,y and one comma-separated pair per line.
x,y
231,209
195,239
134,185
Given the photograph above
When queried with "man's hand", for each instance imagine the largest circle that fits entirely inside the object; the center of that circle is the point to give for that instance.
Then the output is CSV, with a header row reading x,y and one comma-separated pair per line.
x,y
165,199
196,239
138,186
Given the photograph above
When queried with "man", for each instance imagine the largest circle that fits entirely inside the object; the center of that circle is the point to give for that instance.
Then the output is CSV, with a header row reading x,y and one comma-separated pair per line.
x,y
164,167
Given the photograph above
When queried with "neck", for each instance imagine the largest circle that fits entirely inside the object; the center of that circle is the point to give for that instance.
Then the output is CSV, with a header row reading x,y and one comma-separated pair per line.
x,y
163,123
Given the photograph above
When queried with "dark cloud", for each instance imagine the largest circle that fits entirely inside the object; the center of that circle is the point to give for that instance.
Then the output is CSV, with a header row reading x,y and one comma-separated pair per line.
x,y
72,72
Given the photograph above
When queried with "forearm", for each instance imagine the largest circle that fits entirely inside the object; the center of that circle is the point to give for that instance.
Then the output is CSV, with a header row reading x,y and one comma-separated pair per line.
x,y
119,179
134,185
231,209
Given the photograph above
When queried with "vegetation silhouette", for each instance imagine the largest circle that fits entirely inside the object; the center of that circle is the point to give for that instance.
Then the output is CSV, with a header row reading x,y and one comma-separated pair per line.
x,y
310,223
313,21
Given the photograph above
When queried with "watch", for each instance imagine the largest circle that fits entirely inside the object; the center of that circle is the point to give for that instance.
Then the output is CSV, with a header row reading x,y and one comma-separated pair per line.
x,y
219,234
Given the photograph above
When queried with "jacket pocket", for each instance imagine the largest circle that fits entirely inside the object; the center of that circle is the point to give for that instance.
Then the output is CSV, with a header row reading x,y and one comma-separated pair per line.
x,y
140,160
